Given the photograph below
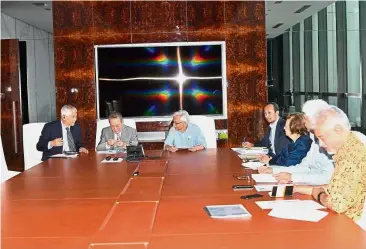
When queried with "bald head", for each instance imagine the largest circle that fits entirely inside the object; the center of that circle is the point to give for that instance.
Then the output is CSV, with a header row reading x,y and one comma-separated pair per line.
x,y
332,128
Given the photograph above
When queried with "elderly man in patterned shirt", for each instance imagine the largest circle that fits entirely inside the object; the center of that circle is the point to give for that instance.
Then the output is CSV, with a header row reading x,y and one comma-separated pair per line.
x,y
346,191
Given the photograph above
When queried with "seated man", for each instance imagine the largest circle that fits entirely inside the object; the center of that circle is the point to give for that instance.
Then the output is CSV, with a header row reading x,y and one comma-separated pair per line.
x,y
184,134
296,130
117,134
275,139
61,135
346,191
317,167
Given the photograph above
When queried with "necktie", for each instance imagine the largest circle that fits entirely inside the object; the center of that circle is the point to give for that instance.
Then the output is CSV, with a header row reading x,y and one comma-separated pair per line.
x,y
70,140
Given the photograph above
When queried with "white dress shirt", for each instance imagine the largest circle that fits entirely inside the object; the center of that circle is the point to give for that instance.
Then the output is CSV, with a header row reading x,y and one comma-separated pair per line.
x,y
117,136
315,169
272,135
65,147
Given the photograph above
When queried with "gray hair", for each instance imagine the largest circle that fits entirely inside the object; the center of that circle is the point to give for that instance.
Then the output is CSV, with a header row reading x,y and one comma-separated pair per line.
x,y
67,110
114,115
333,116
312,107
184,115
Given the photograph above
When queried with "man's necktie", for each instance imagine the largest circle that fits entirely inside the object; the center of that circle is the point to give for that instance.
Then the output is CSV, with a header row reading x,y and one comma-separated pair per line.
x,y
70,140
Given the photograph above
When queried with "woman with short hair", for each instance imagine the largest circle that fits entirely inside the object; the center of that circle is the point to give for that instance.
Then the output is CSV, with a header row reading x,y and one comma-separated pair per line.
x,y
296,130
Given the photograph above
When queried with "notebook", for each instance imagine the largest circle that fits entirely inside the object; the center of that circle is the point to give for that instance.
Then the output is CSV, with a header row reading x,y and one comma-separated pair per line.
x,y
227,211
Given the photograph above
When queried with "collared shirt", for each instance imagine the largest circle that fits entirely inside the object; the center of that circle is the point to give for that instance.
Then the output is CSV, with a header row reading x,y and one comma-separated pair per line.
x,y
65,146
192,136
347,188
116,136
315,169
272,135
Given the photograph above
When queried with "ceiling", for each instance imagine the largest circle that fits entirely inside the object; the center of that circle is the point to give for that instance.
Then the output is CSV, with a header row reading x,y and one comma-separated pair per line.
x,y
278,12
40,15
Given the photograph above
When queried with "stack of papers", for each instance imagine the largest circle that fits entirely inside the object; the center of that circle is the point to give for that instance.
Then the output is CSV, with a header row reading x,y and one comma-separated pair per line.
x,y
266,178
227,211
251,151
252,165
305,210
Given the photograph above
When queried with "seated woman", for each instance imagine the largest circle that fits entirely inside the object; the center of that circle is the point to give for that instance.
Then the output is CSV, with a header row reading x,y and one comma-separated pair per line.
x,y
296,130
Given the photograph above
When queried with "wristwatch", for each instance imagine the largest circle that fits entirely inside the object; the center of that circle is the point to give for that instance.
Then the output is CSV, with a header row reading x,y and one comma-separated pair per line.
x,y
319,196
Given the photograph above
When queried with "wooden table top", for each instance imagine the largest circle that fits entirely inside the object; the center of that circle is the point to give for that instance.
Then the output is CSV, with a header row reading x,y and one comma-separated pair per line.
x,y
85,204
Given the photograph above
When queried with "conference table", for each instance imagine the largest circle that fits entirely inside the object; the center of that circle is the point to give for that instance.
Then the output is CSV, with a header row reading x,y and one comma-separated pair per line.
x,y
85,204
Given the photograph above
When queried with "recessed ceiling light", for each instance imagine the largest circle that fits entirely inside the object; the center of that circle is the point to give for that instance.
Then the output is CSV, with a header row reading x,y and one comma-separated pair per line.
x,y
302,9
277,25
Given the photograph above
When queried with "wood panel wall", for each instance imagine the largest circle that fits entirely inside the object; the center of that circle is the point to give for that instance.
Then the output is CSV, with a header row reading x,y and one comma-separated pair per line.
x,y
79,25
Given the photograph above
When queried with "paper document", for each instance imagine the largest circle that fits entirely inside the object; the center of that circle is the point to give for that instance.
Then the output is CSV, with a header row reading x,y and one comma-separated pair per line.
x,y
264,178
227,211
64,156
262,187
252,165
113,161
250,151
271,204
295,211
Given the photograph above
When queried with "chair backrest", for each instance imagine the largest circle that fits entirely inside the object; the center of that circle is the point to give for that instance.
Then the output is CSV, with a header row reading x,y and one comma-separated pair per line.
x,y
207,126
5,173
31,133
102,123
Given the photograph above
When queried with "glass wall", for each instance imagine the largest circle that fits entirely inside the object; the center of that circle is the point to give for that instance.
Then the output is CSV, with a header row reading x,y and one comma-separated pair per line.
x,y
324,59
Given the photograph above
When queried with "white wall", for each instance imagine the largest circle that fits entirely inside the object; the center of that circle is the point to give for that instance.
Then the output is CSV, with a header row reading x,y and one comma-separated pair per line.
x,y
40,67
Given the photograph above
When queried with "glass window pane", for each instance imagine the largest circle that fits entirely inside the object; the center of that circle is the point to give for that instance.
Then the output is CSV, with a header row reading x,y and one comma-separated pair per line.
x,y
354,111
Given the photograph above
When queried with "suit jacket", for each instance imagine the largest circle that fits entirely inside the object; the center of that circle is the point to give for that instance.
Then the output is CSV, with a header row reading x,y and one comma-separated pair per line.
x,y
281,141
128,135
52,131
294,153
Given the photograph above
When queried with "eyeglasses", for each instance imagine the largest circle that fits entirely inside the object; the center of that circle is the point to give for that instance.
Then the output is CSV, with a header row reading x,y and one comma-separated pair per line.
x,y
175,124
109,158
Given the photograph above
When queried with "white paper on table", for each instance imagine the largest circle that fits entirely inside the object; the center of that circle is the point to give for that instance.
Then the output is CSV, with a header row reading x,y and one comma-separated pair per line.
x,y
64,156
271,204
252,165
267,178
252,151
120,159
297,211
263,188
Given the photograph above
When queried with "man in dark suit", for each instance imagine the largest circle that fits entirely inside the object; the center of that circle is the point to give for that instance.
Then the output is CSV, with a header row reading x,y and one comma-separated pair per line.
x,y
275,138
61,135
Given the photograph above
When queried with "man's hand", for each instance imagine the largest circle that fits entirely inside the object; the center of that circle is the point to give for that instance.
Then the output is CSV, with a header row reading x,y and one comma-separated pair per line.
x,y
306,190
83,150
265,170
57,142
170,148
283,177
111,142
120,143
264,158
196,148
316,191
247,145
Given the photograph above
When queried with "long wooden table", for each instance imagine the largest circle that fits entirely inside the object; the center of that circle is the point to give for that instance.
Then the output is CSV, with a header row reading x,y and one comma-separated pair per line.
x,y
84,204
